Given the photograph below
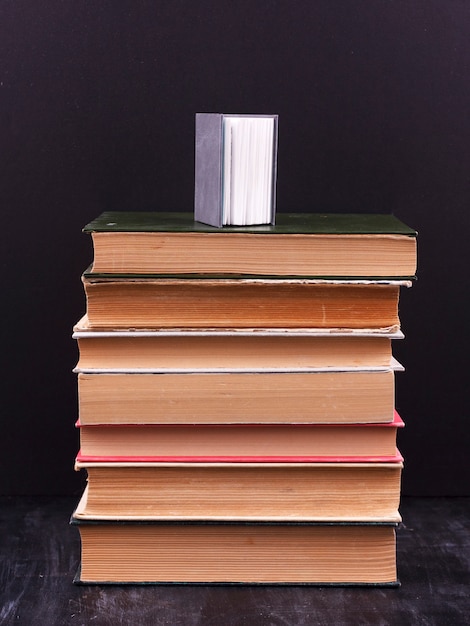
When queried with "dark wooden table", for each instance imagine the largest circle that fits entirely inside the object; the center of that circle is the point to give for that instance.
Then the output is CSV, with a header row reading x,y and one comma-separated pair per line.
x,y
40,554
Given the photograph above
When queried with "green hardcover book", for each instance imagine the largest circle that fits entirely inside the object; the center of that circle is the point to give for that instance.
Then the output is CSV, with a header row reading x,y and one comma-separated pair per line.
x,y
145,551
350,246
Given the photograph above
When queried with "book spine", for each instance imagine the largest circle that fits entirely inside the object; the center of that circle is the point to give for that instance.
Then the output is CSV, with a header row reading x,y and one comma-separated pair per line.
x,y
208,169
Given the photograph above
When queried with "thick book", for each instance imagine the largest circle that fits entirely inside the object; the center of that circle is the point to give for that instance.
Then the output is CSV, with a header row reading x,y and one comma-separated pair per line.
x,y
302,244
262,491
150,552
114,302
237,397
231,350
235,169
239,443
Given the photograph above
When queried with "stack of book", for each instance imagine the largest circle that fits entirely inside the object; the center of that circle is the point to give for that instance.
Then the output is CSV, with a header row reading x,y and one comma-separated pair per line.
x,y
236,400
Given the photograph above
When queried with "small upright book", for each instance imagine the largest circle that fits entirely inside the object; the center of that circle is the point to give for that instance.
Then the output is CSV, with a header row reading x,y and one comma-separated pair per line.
x,y
235,169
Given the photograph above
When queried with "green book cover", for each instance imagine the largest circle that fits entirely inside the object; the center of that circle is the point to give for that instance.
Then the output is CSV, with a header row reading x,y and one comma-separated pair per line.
x,y
286,223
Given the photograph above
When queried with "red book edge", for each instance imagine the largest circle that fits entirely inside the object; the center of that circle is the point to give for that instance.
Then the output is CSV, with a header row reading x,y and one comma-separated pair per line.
x,y
396,458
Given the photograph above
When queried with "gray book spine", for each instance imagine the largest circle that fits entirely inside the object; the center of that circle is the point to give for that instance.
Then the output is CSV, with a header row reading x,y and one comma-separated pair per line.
x,y
208,169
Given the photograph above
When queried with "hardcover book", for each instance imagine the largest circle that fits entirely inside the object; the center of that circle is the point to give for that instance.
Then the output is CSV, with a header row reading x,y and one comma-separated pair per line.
x,y
257,397
263,491
235,169
239,443
150,552
139,302
231,350
308,245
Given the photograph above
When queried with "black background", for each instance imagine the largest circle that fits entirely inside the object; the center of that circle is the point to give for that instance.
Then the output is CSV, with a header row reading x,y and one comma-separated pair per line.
x,y
97,105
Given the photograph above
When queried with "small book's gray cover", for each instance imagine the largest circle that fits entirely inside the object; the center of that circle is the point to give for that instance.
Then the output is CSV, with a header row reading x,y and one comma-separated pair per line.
x,y
208,184
208,169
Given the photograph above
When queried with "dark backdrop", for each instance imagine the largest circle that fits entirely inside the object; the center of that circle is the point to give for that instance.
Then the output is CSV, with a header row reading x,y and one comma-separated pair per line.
x,y
97,104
